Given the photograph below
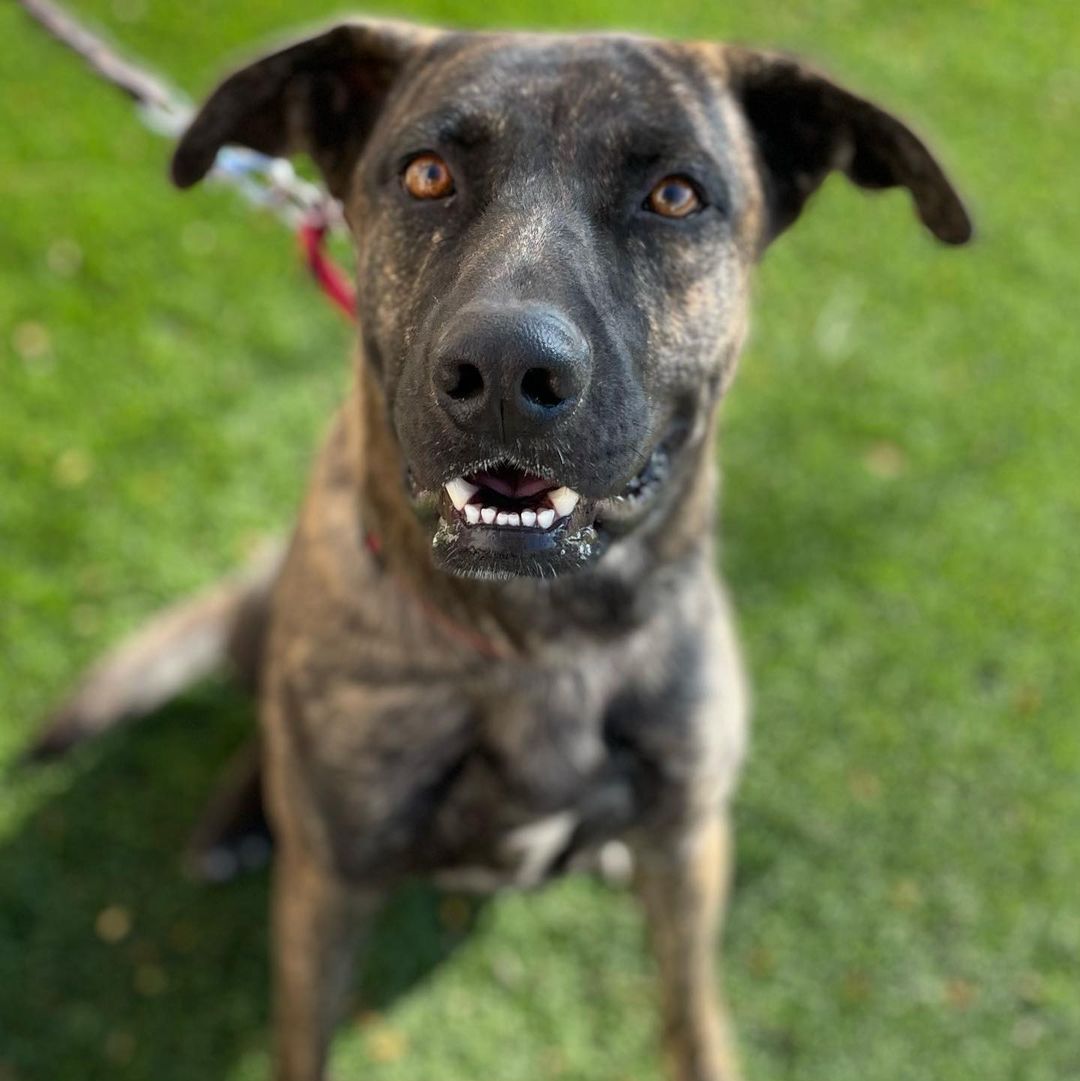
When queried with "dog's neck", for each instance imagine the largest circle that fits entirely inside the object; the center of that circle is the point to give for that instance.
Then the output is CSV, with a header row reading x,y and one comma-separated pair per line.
x,y
618,591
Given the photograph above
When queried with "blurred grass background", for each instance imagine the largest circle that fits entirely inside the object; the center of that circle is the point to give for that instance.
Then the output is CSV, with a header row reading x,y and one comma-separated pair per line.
x,y
901,524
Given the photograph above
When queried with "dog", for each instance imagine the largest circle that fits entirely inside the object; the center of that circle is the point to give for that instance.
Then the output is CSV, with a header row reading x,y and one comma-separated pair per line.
x,y
497,641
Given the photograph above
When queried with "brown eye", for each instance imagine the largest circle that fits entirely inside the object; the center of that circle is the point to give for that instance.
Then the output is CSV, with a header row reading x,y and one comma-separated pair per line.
x,y
673,197
427,176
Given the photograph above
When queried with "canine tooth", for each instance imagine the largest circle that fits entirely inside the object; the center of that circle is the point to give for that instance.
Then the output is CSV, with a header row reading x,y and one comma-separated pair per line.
x,y
488,514
545,518
460,491
513,519
472,513
564,500
502,518
528,518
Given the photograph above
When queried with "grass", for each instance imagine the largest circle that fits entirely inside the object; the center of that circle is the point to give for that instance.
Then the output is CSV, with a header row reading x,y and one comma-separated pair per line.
x,y
901,524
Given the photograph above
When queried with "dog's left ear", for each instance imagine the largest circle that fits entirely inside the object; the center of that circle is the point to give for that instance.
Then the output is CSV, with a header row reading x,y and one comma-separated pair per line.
x,y
805,126
320,96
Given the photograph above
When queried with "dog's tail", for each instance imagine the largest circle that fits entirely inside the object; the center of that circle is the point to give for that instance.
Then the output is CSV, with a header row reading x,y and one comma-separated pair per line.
x,y
179,646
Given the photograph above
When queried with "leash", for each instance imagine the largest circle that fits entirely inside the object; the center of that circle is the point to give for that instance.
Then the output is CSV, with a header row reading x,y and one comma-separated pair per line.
x,y
328,276
265,182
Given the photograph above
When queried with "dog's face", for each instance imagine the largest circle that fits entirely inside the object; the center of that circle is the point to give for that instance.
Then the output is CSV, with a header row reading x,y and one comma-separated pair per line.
x,y
554,238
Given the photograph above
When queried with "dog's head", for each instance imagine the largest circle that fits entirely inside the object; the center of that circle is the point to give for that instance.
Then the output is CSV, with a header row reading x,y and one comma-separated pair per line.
x,y
554,237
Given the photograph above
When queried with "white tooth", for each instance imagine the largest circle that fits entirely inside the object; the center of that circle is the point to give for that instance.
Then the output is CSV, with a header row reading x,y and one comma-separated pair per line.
x,y
502,518
513,519
472,513
528,518
545,518
488,514
564,500
460,491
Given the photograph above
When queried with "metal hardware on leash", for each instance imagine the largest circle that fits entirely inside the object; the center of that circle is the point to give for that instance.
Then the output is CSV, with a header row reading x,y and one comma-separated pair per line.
x,y
266,182
272,183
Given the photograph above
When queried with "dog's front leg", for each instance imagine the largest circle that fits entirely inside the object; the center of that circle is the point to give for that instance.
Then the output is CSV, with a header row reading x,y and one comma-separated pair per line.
x,y
317,921
683,884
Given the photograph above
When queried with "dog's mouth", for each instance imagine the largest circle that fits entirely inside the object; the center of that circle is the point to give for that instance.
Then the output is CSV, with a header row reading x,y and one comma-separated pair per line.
x,y
504,519
506,498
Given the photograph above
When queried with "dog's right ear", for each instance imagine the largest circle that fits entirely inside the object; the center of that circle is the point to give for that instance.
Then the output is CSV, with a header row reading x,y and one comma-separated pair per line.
x,y
320,96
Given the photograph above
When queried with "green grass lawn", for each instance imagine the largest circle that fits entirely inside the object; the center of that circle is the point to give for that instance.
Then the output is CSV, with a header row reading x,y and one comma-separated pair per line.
x,y
902,532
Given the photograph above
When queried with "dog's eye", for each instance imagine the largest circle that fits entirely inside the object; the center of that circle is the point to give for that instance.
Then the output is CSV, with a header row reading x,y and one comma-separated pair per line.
x,y
673,197
427,176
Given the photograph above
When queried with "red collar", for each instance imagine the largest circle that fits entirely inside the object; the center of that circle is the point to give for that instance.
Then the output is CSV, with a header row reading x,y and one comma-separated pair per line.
x,y
474,639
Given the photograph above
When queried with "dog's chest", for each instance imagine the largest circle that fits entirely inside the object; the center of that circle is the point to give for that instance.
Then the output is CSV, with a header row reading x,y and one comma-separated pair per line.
x,y
498,780
541,785
513,767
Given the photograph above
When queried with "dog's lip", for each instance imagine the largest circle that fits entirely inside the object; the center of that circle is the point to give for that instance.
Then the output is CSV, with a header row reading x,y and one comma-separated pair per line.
x,y
614,513
507,472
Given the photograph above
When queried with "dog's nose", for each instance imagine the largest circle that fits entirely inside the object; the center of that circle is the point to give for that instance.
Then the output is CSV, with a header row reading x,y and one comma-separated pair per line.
x,y
510,371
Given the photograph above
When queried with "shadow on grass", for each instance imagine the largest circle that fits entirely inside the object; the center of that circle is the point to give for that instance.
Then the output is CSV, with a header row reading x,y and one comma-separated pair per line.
x,y
115,965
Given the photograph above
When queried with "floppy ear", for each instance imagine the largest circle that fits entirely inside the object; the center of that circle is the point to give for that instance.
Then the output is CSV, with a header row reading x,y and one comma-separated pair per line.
x,y
320,96
805,126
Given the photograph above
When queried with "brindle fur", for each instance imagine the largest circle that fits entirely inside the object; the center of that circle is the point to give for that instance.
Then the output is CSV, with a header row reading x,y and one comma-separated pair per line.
x,y
610,702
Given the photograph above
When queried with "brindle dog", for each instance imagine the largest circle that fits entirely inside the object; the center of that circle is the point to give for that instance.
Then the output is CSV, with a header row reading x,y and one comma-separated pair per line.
x,y
497,640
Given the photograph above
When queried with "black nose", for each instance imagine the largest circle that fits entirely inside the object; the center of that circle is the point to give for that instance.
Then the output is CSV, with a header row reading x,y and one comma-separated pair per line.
x,y
510,371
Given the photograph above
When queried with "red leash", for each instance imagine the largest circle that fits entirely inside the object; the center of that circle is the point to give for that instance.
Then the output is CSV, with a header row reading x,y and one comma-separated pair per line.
x,y
328,275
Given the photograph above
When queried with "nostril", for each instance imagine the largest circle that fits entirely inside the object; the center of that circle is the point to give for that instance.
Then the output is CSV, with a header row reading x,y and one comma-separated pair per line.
x,y
540,386
469,383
